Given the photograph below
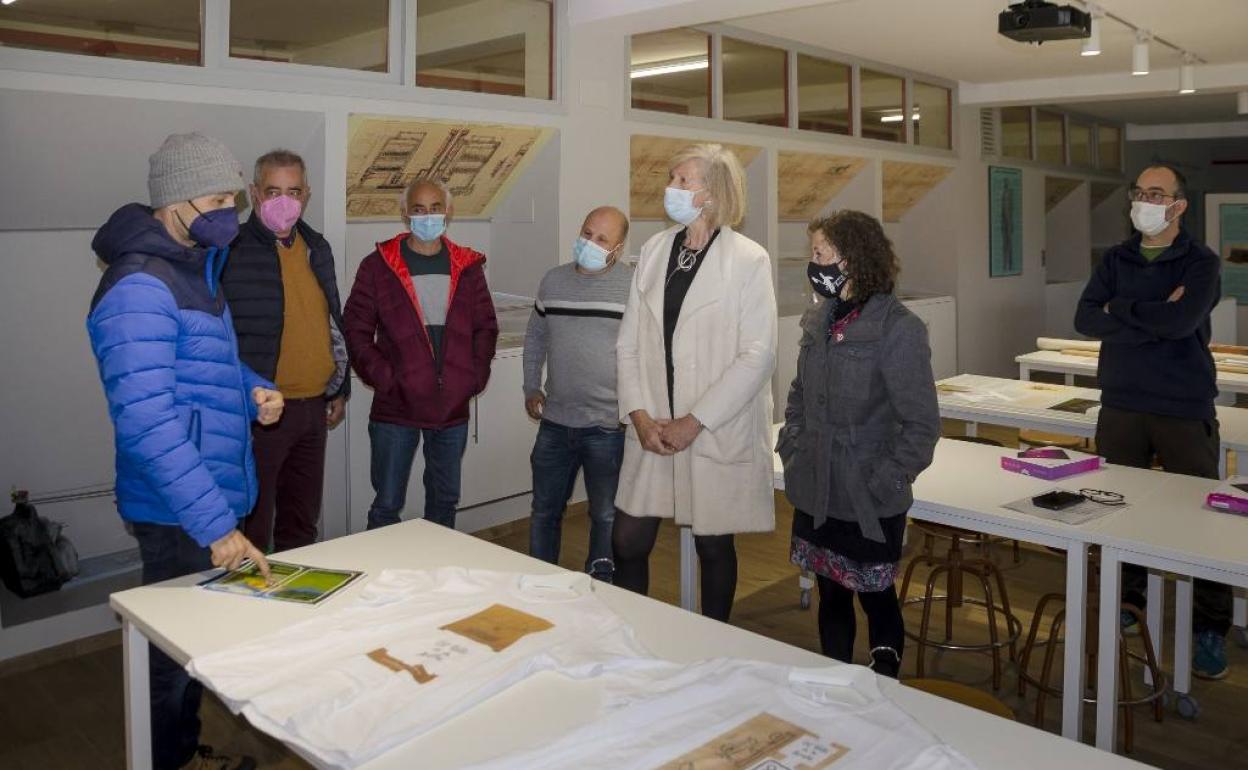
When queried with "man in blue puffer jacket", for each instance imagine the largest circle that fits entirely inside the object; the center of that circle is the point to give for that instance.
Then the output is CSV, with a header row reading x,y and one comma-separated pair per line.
x,y
180,399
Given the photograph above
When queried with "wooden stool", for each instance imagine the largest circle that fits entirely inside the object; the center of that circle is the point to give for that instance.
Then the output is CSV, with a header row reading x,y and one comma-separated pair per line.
x,y
954,566
964,694
1043,438
1126,699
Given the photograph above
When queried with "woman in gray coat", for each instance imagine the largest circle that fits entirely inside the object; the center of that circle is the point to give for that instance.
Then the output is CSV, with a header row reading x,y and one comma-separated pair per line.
x,y
861,423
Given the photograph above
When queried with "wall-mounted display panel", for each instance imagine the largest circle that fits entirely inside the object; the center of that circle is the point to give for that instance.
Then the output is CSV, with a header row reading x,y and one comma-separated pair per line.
x,y
905,184
479,161
648,173
809,181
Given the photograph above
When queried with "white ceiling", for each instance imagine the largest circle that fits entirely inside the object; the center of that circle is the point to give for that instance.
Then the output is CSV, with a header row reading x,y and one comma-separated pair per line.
x,y
958,39
1191,108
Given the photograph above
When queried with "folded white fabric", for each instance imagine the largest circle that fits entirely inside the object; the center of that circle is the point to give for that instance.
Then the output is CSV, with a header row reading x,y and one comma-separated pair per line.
x,y
740,714
415,649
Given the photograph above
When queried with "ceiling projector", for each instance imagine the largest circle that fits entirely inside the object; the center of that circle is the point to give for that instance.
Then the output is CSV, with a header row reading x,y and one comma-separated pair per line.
x,y
1035,21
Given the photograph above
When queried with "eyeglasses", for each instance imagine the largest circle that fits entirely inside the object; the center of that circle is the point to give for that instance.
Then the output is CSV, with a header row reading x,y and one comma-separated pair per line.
x,y
1103,497
1149,196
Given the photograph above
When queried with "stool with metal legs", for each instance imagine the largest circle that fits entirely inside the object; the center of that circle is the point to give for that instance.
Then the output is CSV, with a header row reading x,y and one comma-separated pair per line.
x,y
954,566
1155,681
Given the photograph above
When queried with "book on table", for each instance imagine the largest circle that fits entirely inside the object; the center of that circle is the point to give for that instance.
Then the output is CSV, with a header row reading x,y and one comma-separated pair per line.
x,y
287,582
1231,496
1076,405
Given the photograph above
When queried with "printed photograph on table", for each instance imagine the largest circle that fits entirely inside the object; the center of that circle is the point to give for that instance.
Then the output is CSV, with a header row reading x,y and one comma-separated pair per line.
x,y
288,582
1005,221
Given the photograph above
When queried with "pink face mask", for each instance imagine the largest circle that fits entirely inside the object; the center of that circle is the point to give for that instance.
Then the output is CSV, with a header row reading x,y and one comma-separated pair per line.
x,y
279,214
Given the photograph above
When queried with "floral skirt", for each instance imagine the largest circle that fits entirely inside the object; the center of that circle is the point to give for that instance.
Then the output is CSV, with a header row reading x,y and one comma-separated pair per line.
x,y
838,551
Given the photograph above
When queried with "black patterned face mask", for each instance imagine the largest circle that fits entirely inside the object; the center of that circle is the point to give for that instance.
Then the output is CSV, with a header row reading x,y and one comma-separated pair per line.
x,y
827,280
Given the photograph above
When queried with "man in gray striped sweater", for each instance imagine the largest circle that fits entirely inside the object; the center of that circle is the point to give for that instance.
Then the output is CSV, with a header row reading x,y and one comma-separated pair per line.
x,y
572,331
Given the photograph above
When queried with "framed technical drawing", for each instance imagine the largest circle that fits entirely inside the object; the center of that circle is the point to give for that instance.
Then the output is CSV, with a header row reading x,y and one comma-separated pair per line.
x,y
1005,221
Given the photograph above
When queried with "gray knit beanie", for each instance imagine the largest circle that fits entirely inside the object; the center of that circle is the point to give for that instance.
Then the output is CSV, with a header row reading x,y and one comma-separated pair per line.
x,y
190,166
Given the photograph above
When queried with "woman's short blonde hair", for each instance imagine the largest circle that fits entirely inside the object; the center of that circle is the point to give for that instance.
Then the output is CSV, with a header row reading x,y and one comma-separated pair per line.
x,y
724,179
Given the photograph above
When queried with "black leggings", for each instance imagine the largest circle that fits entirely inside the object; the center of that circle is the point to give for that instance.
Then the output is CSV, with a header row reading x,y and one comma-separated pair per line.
x,y
837,624
632,540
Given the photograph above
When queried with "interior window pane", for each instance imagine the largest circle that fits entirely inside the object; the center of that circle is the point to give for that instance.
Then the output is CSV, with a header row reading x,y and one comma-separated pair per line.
x,y
1050,138
1109,148
823,95
1080,143
932,109
755,83
485,46
883,106
670,72
1016,132
147,30
327,33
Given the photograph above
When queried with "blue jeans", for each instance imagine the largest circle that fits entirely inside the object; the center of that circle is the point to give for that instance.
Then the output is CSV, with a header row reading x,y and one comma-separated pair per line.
x,y
168,552
394,448
558,454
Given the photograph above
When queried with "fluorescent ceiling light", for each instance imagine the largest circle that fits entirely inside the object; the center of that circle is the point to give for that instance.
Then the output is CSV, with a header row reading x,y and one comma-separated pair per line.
x,y
897,118
669,67
8,2
1139,54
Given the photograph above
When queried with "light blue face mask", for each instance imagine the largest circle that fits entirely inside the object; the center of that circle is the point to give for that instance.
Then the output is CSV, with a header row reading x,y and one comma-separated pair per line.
x,y
679,205
428,227
589,255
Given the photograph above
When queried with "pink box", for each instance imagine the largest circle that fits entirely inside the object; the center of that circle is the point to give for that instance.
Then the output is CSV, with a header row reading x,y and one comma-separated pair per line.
x,y
1231,496
1051,470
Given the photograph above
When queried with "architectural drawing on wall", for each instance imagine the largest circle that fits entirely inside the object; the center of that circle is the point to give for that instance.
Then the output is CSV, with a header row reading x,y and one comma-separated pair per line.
x,y
648,170
477,161
811,181
905,184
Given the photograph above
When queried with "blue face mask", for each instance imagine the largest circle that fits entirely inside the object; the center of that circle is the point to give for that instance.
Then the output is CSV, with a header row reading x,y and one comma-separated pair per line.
x,y
589,255
216,228
679,205
428,227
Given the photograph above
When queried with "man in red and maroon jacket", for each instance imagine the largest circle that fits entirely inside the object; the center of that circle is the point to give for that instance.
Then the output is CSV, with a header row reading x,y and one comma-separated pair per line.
x,y
421,331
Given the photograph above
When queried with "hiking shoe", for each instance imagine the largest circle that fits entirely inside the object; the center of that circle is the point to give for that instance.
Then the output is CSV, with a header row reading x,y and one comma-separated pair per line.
x,y
1209,661
885,661
207,759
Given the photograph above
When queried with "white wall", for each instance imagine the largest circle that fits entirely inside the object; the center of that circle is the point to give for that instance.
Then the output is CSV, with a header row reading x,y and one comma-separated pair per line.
x,y
524,238
1068,237
926,242
998,318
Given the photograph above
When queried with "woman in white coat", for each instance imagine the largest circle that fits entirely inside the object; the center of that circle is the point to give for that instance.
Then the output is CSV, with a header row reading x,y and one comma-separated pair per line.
x,y
696,353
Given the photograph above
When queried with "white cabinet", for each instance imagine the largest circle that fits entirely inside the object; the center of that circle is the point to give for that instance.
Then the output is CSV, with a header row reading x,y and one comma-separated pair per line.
x,y
500,437
939,314
496,462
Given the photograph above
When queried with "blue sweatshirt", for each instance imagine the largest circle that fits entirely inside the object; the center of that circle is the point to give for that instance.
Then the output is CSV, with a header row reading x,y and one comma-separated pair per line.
x,y
1154,354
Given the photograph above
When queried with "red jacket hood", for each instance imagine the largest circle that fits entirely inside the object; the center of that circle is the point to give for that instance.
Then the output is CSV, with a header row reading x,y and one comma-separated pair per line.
x,y
462,257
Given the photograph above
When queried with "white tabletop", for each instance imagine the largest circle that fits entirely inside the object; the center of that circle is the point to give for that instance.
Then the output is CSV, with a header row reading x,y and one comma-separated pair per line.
x,y
186,621
1024,404
1057,361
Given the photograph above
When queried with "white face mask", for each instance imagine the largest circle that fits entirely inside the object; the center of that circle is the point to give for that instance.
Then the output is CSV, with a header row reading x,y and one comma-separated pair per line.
x,y
1149,218
679,206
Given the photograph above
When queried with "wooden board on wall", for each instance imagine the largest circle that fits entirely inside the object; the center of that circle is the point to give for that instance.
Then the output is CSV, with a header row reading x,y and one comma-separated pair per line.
x,y
1102,190
808,181
1056,188
905,184
478,161
649,156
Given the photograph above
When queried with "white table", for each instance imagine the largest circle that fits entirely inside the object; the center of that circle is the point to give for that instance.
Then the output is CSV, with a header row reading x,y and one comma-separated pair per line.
x,y
1068,365
185,621
1173,532
943,495
1026,405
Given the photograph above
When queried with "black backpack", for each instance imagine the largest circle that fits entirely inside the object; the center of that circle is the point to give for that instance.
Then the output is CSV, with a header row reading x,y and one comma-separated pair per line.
x,y
35,557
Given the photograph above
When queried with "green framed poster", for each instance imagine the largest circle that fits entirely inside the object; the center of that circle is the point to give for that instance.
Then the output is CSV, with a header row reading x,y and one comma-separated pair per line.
x,y
1005,221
